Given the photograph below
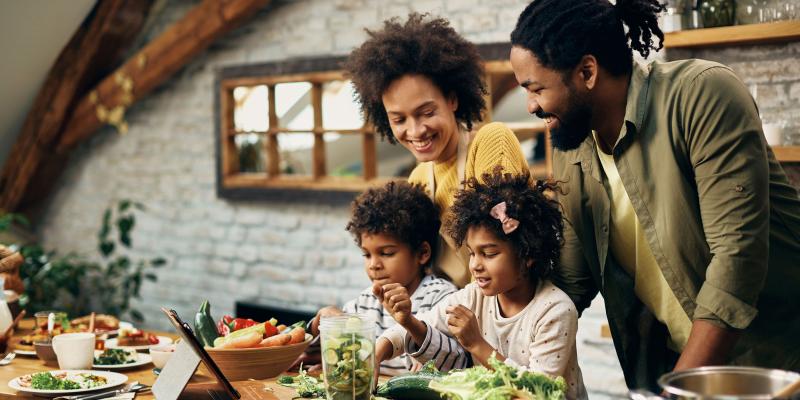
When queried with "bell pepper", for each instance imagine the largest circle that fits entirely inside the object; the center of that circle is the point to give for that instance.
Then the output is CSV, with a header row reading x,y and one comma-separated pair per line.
x,y
204,327
224,325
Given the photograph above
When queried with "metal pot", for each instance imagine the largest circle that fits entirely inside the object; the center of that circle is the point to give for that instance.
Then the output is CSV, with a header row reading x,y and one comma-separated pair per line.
x,y
718,383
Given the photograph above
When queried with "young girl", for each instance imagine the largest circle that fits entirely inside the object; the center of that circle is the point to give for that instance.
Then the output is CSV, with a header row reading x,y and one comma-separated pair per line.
x,y
513,234
394,226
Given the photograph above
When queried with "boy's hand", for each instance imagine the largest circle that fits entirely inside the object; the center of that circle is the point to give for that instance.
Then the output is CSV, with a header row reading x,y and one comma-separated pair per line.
x,y
383,352
395,300
329,311
464,326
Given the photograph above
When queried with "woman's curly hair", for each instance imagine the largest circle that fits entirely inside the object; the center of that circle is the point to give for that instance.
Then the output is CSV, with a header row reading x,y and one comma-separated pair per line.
x,y
418,47
539,234
399,209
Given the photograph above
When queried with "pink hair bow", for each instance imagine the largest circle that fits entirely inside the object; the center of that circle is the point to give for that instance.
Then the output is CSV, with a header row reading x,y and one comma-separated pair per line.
x,y
499,213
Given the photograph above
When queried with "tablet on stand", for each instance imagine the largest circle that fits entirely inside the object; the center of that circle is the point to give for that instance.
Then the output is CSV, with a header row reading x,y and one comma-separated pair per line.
x,y
189,353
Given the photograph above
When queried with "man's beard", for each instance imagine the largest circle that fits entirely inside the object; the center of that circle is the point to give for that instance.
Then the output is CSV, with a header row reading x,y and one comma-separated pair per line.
x,y
575,125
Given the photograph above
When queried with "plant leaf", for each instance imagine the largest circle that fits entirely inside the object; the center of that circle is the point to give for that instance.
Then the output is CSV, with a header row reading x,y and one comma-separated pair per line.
x,y
124,205
106,248
137,315
158,262
151,277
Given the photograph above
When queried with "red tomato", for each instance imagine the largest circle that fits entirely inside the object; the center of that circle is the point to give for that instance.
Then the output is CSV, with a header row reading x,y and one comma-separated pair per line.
x,y
269,330
153,339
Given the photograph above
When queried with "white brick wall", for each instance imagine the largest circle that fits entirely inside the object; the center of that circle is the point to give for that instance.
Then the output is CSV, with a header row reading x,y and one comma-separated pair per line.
x,y
285,254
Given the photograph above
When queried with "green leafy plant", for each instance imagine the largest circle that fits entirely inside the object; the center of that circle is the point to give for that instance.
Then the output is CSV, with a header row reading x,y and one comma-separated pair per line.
x,y
79,285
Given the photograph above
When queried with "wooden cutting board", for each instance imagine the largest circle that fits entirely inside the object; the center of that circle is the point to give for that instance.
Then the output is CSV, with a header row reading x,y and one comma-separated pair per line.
x,y
250,390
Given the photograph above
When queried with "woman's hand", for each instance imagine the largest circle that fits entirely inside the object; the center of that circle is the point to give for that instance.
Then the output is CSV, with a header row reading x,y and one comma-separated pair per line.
x,y
395,300
324,312
464,326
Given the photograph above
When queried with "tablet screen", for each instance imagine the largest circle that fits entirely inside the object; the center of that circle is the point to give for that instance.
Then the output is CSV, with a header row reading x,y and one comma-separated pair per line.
x,y
188,336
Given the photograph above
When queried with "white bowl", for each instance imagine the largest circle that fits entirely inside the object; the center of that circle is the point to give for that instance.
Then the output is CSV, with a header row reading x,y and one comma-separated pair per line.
x,y
162,354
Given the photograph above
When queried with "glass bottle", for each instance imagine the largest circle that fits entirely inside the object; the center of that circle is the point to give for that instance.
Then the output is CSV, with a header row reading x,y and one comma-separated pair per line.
x,y
717,12
748,11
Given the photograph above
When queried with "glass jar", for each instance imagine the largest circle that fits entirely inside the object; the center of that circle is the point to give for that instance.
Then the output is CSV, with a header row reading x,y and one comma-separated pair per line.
x,y
348,356
717,12
748,11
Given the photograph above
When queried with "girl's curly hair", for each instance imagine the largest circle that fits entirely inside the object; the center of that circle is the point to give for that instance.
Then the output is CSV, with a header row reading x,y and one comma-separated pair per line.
x,y
417,47
539,234
399,209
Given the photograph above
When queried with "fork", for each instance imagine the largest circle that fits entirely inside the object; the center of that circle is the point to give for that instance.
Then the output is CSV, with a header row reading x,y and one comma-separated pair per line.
x,y
134,387
7,359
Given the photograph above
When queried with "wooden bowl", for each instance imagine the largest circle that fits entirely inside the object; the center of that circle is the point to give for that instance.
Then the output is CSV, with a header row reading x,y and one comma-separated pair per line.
x,y
259,362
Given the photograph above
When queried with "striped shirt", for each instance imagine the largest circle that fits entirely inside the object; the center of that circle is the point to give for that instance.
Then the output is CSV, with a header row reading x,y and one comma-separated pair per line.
x,y
431,290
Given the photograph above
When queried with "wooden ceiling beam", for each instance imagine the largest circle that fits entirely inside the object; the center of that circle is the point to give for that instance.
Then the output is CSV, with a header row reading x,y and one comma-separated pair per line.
x,y
155,63
95,48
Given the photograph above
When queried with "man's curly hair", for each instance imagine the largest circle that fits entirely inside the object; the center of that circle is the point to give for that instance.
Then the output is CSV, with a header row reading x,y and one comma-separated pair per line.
x,y
399,209
539,234
417,47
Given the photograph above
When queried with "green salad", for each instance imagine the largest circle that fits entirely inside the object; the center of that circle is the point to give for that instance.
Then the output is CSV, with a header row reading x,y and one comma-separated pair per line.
x,y
115,357
348,362
63,381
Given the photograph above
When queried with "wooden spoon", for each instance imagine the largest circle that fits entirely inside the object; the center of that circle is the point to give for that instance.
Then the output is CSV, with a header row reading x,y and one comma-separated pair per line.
x,y
787,390
91,322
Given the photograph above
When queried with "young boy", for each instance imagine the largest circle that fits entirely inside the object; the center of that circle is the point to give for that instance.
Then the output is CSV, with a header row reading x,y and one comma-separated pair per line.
x,y
395,227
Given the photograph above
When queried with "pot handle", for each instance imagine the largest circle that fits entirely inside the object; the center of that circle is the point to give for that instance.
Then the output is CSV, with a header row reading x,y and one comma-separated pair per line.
x,y
643,394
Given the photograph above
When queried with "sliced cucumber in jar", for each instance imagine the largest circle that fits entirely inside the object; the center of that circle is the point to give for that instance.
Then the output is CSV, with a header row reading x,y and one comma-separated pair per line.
x,y
330,357
363,355
366,345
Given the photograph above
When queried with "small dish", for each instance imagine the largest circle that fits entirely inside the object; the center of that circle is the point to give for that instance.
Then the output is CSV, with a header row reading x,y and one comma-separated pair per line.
x,y
160,355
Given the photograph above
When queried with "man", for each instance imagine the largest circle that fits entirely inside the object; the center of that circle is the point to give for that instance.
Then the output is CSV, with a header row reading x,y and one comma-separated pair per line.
x,y
675,207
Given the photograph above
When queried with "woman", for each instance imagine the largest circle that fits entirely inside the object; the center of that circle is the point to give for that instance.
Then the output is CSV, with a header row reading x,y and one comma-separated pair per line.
x,y
420,84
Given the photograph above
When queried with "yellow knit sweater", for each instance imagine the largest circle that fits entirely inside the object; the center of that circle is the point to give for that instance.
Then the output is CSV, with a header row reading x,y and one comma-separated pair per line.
x,y
493,145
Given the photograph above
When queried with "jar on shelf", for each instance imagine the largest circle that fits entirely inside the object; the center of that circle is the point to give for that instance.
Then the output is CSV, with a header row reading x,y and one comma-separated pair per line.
x,y
717,12
748,11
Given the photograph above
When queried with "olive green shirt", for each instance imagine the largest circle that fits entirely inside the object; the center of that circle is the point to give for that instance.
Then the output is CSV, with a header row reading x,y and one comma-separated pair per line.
x,y
719,215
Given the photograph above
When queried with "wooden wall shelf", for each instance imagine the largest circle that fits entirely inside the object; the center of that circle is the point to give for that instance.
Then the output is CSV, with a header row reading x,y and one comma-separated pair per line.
x,y
772,32
787,153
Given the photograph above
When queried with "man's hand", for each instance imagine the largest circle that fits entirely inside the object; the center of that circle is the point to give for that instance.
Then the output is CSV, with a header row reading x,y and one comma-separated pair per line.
x,y
464,326
395,300
329,311
708,344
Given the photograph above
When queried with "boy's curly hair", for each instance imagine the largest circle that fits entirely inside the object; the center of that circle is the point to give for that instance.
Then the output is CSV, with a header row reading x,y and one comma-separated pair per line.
x,y
539,235
418,47
399,209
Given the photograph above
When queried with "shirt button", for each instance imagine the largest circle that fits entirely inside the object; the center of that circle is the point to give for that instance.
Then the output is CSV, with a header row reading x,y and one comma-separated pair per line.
x,y
739,188
605,228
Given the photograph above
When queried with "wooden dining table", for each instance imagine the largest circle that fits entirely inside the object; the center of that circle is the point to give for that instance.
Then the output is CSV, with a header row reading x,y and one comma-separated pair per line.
x,y
198,387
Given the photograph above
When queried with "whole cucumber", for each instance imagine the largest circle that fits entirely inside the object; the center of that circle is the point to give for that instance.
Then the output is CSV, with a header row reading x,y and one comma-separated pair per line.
x,y
411,386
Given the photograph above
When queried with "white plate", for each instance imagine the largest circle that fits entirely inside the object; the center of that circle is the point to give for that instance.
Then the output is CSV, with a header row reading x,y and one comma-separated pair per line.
x,y
162,340
112,378
141,359
25,352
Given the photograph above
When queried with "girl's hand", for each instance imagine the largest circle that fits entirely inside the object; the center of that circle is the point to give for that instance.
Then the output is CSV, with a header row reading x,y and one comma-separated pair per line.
x,y
464,326
395,300
329,311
